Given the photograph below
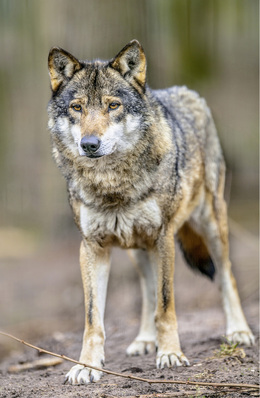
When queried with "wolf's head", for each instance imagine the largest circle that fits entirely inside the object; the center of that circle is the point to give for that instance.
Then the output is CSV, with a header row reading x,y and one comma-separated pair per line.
x,y
98,108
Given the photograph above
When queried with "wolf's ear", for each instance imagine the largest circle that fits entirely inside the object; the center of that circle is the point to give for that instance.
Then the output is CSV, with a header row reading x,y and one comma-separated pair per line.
x,y
62,66
131,63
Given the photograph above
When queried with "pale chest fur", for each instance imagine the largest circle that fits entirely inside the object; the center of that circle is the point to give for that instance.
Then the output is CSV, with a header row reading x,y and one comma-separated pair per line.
x,y
131,226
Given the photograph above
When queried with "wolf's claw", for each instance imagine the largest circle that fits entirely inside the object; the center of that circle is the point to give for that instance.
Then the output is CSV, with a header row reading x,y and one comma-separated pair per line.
x,y
140,348
243,337
171,360
80,374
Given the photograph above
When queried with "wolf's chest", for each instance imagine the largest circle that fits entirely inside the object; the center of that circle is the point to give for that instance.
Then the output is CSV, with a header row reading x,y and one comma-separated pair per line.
x,y
134,226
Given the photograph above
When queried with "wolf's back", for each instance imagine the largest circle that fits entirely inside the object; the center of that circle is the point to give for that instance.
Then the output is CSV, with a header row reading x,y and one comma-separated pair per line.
x,y
187,112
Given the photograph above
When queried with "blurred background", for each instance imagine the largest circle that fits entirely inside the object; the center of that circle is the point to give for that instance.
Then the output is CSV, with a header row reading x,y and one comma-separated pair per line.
x,y
209,45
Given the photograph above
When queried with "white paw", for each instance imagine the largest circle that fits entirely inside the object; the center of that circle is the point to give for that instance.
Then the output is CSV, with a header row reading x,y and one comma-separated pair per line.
x,y
243,337
170,360
140,348
80,374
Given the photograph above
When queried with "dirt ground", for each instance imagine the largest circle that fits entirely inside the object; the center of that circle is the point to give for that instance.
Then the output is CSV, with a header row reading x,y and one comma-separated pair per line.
x,y
42,302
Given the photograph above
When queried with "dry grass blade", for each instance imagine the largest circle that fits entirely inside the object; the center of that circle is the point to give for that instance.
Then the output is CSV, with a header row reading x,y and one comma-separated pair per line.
x,y
230,350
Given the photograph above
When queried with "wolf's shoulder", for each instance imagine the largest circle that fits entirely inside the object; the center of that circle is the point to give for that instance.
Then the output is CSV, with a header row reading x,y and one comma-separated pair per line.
x,y
180,96
183,103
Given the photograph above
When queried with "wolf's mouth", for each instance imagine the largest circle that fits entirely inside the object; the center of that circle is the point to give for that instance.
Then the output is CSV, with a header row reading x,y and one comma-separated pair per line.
x,y
93,155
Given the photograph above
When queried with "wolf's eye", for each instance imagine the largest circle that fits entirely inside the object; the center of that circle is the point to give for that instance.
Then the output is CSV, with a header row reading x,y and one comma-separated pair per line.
x,y
114,105
76,107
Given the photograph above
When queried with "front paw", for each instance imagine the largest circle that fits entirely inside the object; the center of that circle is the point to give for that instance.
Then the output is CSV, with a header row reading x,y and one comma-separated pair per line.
x,y
80,374
241,337
138,347
171,359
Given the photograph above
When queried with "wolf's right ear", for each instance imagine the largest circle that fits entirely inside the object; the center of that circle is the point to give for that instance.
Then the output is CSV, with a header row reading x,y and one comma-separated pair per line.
x,y
131,63
62,66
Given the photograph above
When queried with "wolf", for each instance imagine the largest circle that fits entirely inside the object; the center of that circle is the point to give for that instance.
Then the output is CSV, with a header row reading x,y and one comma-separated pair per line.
x,y
143,168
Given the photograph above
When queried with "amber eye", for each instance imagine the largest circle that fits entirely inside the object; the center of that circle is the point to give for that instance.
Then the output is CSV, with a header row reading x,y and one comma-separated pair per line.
x,y
76,107
114,105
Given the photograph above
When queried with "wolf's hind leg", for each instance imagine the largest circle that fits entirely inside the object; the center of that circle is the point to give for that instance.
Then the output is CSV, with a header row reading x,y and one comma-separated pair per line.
x,y
144,343
215,231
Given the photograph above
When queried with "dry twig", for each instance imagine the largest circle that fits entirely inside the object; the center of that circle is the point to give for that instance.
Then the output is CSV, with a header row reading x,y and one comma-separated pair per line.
x,y
38,364
128,376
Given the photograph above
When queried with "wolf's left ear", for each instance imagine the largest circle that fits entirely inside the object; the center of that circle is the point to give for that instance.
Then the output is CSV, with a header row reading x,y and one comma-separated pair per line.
x,y
131,63
62,66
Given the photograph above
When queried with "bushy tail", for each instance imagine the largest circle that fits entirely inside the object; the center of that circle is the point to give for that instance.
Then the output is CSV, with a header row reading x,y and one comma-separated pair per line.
x,y
195,251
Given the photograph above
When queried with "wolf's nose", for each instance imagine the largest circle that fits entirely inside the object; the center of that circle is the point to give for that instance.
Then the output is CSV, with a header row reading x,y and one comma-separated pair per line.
x,y
90,143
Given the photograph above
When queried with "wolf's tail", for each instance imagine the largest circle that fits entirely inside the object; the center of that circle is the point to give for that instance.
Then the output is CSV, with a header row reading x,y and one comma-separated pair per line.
x,y
195,251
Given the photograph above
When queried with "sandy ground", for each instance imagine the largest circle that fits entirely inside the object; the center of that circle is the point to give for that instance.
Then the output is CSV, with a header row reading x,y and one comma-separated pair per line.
x,y
42,301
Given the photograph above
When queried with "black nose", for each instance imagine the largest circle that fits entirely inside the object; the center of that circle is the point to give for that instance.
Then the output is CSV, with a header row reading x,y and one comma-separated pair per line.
x,y
90,143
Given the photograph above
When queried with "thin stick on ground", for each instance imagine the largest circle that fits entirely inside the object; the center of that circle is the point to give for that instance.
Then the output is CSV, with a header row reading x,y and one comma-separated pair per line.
x,y
128,376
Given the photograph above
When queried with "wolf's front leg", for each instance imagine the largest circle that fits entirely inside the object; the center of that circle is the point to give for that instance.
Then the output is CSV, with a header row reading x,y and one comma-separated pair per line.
x,y
169,351
95,265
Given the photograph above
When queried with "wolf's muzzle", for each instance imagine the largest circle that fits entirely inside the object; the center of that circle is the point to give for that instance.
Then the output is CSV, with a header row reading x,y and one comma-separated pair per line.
x,y
90,144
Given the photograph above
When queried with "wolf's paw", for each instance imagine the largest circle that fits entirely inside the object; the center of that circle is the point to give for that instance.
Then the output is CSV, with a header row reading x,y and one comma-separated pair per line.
x,y
242,337
140,348
80,374
170,360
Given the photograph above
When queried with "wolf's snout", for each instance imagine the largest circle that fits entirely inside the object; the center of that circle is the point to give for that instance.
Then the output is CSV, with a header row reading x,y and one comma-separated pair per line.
x,y
90,144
